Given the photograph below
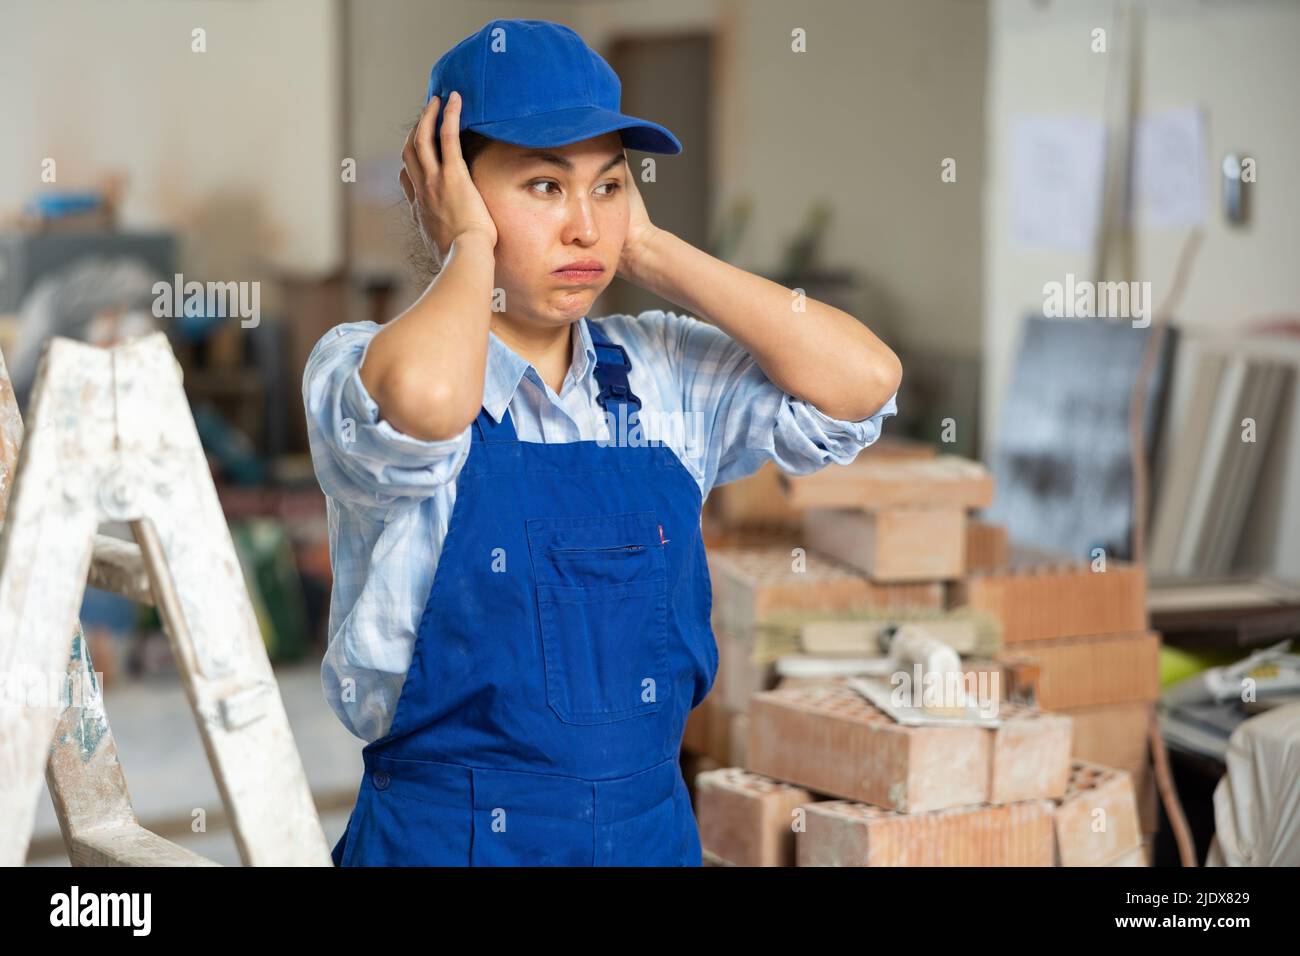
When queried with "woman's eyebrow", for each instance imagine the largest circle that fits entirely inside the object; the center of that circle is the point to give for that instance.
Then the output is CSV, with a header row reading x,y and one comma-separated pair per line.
x,y
565,163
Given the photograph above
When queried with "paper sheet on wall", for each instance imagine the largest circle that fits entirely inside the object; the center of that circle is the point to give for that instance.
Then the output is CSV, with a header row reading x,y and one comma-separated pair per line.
x,y
1058,173
1169,169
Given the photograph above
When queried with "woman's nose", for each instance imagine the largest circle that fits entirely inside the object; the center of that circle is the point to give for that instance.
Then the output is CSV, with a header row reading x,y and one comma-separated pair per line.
x,y
580,224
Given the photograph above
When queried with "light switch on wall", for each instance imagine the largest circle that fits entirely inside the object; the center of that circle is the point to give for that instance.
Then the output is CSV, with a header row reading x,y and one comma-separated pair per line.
x,y
1238,175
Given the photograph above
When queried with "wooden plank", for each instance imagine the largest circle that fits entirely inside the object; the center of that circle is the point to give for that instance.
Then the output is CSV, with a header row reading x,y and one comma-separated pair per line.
x,y
131,845
117,566
194,571
45,550
83,774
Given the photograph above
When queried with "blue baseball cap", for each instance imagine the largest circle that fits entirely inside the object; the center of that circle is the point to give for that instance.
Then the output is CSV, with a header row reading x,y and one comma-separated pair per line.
x,y
536,83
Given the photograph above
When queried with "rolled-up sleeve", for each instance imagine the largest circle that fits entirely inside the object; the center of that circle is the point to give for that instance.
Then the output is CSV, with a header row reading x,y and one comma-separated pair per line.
x,y
359,457
748,419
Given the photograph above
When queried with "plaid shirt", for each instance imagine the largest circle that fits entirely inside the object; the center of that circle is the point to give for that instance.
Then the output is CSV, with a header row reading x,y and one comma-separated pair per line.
x,y
389,496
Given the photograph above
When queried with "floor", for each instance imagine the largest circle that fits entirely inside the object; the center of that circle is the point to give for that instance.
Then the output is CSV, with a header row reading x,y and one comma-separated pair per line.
x,y
168,774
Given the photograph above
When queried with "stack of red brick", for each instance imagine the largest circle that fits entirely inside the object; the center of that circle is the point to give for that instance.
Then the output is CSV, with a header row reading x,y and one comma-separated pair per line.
x,y
1085,633
846,783
752,819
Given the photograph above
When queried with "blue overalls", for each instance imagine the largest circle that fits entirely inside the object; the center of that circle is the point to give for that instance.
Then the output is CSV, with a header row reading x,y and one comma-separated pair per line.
x,y
565,639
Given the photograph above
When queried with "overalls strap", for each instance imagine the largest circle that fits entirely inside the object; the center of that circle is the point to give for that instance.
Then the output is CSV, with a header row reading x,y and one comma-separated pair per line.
x,y
612,368
486,430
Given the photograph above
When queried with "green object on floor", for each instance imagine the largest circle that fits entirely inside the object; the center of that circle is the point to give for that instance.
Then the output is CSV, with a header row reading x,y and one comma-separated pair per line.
x,y
1177,663
274,586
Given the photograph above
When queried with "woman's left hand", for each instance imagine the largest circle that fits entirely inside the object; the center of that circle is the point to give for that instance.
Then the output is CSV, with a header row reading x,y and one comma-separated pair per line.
x,y
640,230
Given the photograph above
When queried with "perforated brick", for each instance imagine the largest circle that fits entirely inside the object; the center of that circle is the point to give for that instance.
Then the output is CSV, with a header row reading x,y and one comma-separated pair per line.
x,y
986,545
845,833
892,544
1031,755
1096,821
1116,735
829,738
870,483
745,819
749,584
1093,670
1058,599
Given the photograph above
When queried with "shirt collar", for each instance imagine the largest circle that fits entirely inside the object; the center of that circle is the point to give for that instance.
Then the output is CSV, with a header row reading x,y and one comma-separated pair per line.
x,y
505,369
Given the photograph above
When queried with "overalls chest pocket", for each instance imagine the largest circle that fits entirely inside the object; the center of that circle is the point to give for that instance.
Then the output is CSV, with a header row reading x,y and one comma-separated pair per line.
x,y
602,602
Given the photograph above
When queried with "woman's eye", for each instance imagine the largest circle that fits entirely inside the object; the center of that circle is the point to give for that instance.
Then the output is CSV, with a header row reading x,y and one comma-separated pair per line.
x,y
612,187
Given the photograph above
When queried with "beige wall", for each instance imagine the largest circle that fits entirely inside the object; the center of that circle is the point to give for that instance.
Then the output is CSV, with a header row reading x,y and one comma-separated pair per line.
x,y
237,147
886,90
1237,61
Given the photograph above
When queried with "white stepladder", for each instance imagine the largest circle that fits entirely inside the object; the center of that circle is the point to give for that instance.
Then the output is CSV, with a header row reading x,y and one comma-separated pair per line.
x,y
111,438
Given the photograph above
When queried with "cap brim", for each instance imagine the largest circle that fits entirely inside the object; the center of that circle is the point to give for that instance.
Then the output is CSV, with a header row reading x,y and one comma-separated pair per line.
x,y
561,127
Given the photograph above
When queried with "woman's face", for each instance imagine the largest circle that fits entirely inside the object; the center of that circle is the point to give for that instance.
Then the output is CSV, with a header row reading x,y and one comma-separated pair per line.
x,y
554,207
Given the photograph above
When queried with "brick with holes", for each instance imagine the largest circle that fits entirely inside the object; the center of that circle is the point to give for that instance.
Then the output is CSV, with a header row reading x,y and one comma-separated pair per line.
x,y
1043,598
1094,670
829,738
1117,736
746,819
1097,820
1030,755
892,544
845,833
752,584
870,482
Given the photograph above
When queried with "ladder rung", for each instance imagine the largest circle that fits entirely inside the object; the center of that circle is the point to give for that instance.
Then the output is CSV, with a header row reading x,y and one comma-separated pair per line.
x,y
131,845
118,566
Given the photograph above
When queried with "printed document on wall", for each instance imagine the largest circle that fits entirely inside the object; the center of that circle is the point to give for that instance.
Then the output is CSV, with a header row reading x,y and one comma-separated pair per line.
x,y
1169,162
1058,174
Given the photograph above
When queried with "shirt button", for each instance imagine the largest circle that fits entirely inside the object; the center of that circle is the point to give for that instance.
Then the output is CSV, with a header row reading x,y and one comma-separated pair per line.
x,y
381,780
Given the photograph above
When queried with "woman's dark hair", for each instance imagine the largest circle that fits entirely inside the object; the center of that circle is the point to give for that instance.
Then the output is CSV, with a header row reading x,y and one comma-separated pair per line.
x,y
419,257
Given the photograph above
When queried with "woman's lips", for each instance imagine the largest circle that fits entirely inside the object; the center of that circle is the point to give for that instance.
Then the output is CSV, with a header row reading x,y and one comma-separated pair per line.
x,y
578,275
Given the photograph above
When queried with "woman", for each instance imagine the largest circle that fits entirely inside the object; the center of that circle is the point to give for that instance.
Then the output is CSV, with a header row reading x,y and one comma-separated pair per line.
x,y
520,618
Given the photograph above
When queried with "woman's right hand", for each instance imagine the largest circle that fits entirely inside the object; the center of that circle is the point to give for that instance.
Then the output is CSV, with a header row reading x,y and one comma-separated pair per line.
x,y
445,203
